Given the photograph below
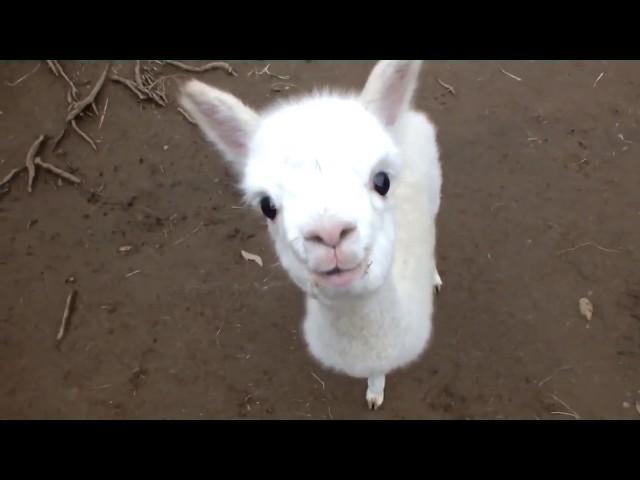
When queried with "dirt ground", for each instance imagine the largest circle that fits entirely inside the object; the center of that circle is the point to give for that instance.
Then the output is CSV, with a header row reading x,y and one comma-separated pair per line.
x,y
540,208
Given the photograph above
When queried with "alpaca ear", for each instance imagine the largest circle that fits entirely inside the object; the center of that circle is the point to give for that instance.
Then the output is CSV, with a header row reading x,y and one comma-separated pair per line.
x,y
224,120
390,88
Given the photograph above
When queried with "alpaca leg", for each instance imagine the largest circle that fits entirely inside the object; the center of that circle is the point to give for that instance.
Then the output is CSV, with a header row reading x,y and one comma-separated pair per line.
x,y
375,391
437,281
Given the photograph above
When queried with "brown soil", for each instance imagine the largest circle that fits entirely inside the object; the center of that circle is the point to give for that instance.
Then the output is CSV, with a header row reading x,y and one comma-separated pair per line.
x,y
531,168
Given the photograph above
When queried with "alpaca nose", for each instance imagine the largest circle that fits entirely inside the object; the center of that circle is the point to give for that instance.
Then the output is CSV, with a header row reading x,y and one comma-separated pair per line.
x,y
330,233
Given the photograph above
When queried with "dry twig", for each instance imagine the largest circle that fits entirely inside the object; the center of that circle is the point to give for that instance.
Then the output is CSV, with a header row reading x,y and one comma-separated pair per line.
x,y
83,135
13,84
31,169
65,315
78,107
510,75
136,71
451,90
564,404
186,115
318,379
104,112
89,99
10,176
145,86
74,90
195,230
57,171
52,67
542,382
593,244
598,79
203,68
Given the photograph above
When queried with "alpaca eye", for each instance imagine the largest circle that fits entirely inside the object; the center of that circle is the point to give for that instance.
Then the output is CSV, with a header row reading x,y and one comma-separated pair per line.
x,y
268,208
381,183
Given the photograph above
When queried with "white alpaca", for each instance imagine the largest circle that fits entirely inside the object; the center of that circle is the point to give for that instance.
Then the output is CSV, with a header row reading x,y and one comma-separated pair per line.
x,y
350,187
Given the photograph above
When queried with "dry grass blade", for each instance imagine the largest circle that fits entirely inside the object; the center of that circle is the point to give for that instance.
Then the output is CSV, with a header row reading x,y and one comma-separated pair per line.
x,y
65,315
195,230
10,176
186,115
609,250
52,66
318,379
451,90
131,274
25,76
104,112
573,413
542,382
598,79
83,135
57,171
31,169
510,75
568,414
203,68
89,99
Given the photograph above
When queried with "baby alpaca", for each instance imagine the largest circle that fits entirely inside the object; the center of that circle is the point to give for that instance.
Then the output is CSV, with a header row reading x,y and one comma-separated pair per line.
x,y
350,187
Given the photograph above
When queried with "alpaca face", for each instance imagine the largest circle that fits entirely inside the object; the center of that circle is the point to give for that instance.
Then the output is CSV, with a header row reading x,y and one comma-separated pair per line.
x,y
322,172
321,169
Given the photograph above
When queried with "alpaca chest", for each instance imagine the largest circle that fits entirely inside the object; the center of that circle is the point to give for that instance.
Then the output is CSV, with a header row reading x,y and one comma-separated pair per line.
x,y
379,339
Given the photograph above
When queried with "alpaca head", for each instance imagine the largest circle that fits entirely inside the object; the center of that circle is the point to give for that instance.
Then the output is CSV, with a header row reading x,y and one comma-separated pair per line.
x,y
321,169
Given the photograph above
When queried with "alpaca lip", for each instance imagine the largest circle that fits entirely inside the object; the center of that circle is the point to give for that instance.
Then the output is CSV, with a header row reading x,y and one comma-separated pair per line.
x,y
338,277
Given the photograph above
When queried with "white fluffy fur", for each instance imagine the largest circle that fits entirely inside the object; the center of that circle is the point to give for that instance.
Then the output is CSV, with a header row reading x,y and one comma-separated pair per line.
x,y
315,157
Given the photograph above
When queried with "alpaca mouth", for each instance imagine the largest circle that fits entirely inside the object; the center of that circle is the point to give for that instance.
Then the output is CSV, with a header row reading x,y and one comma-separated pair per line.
x,y
338,277
334,271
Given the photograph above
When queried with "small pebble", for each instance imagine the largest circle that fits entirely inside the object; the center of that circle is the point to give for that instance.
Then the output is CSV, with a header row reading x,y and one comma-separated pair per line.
x,y
165,148
626,405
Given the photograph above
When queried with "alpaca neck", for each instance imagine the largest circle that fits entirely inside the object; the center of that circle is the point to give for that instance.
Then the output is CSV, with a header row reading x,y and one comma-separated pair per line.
x,y
359,306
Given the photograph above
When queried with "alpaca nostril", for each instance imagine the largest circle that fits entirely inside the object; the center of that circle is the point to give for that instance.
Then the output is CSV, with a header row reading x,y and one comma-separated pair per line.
x,y
346,231
315,239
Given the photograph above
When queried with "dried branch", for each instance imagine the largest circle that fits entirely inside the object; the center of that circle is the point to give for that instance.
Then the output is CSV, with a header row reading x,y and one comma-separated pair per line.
x,y
10,176
89,99
86,137
203,68
31,169
57,171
